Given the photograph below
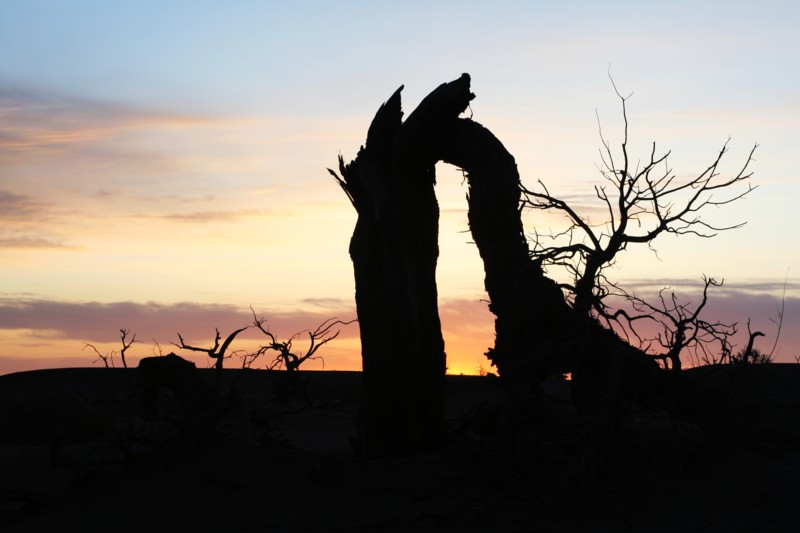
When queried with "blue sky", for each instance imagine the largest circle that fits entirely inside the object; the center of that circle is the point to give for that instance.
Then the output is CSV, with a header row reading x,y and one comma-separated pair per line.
x,y
166,153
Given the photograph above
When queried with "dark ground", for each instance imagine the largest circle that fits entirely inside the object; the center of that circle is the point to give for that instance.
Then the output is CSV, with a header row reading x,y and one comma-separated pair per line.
x,y
75,454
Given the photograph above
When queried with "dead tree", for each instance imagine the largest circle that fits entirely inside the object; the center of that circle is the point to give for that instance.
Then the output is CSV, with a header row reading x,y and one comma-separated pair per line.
x,y
110,356
125,345
286,356
749,354
642,203
216,353
394,250
100,356
682,328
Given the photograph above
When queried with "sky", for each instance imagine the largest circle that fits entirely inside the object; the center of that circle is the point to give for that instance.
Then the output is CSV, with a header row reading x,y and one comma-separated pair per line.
x,y
163,164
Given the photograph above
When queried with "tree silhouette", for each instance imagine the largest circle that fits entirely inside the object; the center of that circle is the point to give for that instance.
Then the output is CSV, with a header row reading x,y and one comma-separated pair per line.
x,y
750,354
126,343
394,250
682,327
642,202
287,355
216,352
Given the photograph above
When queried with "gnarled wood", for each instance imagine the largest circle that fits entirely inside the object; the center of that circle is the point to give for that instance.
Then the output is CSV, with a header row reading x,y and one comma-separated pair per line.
x,y
394,250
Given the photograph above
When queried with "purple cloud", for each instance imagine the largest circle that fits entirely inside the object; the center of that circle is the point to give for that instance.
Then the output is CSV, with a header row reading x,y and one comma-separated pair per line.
x,y
101,322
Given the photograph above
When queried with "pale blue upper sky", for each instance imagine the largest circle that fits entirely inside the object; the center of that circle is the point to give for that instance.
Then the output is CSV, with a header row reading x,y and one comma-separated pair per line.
x,y
139,137
323,57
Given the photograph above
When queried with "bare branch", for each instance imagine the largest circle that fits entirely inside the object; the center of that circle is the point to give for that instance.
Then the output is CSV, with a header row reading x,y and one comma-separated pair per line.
x,y
100,357
779,321
216,352
343,184
640,206
286,357
125,345
681,326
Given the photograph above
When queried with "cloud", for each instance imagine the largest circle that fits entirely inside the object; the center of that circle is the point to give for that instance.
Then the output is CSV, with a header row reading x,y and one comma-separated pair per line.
x,y
462,314
38,120
231,215
205,216
101,322
590,208
39,333
31,242
68,150
696,285
760,302
33,323
66,162
23,223
63,160
468,326
17,206
41,327
329,303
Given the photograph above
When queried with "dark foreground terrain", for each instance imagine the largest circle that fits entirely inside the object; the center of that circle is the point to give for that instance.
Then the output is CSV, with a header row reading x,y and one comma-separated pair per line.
x,y
78,450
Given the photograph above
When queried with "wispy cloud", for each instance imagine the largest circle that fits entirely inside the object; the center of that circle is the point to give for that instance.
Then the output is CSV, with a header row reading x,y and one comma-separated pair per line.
x,y
63,148
66,162
230,215
17,206
65,159
31,243
329,303
771,287
205,216
37,120
24,223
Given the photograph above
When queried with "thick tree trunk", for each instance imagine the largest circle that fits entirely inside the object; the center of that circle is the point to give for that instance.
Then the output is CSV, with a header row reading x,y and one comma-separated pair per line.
x,y
394,249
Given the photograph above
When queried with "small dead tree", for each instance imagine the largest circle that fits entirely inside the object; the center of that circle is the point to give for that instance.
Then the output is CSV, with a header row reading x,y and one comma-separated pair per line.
x,y
125,345
287,358
157,351
109,357
681,326
643,201
681,329
749,354
217,352
106,358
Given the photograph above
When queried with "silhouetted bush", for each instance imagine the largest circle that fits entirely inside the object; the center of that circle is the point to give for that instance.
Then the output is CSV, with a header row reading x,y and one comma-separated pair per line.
x,y
755,357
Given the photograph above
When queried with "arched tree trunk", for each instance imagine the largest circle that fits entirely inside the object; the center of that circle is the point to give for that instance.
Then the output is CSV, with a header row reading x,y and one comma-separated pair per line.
x,y
394,250
529,307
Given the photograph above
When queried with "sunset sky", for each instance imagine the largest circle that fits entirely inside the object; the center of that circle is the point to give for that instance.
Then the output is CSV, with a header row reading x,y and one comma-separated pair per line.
x,y
163,163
